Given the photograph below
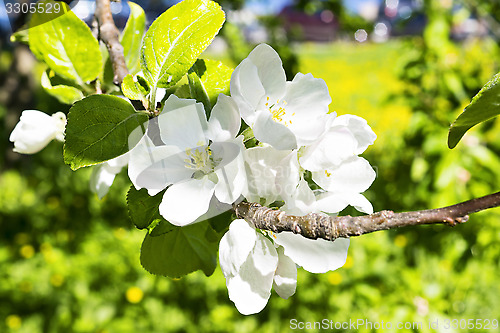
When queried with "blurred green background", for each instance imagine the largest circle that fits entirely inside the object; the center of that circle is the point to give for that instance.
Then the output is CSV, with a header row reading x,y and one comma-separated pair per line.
x,y
70,262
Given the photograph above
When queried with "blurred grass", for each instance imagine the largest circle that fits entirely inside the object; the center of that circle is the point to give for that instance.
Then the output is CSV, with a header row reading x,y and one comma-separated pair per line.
x,y
70,263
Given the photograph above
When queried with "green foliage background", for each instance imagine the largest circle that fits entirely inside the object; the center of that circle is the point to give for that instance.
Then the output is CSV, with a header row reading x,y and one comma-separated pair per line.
x,y
70,262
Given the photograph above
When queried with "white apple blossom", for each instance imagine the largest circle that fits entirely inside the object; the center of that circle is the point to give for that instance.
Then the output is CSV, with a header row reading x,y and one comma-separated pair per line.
x,y
192,158
252,265
36,129
347,136
284,114
336,167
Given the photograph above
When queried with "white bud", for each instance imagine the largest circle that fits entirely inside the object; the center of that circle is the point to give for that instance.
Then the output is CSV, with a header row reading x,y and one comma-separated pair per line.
x,y
36,129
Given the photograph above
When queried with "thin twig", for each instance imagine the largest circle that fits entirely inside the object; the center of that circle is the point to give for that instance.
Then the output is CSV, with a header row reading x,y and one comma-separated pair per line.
x,y
109,34
316,226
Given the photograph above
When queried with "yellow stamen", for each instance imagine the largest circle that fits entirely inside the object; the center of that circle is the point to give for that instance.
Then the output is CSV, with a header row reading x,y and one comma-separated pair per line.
x,y
278,112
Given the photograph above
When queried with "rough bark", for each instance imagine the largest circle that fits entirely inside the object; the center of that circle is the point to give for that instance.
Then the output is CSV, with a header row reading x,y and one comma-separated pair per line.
x,y
316,226
109,34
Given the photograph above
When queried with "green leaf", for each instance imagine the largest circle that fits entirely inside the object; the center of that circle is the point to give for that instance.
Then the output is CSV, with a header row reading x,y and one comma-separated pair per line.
x,y
197,89
181,250
20,36
99,129
135,87
64,93
484,106
221,222
132,37
182,91
160,226
176,39
207,79
66,44
142,208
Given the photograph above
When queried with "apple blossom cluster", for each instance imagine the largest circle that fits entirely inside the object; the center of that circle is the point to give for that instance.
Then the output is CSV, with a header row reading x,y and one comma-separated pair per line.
x,y
204,166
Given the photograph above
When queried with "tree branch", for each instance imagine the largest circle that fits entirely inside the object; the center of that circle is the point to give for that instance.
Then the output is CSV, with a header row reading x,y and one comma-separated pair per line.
x,y
109,34
316,226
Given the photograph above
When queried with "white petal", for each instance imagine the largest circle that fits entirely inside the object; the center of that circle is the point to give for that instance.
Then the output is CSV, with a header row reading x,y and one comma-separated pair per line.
x,y
359,202
269,131
288,175
137,135
215,208
332,202
315,256
168,170
173,102
184,202
102,178
307,97
335,146
249,290
285,278
359,128
246,90
120,161
353,175
264,255
232,179
261,165
226,152
309,130
33,132
235,246
307,101
148,168
302,201
59,120
270,69
182,127
251,287
225,120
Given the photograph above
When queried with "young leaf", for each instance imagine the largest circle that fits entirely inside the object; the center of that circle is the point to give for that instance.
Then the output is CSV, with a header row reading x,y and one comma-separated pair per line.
x,y
176,39
99,129
207,79
132,37
197,89
181,250
142,208
66,44
135,87
64,93
484,106
182,91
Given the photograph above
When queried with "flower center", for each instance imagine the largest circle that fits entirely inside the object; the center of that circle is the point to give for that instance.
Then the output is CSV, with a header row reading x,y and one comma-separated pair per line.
x,y
200,159
278,112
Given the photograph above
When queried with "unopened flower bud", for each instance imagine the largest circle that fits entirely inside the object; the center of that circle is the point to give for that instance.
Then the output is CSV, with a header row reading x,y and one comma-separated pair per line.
x,y
36,129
